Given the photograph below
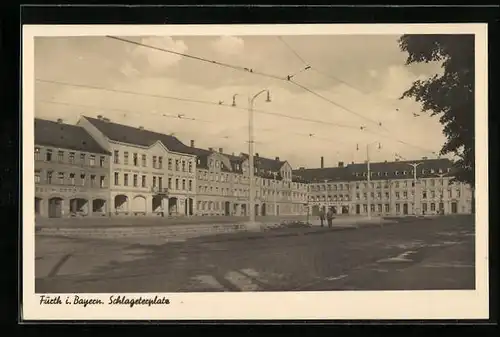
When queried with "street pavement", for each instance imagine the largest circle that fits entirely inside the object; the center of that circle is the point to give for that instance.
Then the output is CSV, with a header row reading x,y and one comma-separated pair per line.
x,y
420,254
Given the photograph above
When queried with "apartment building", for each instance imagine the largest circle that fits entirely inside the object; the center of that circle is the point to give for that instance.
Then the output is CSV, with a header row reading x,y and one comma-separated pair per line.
x,y
151,173
392,189
71,171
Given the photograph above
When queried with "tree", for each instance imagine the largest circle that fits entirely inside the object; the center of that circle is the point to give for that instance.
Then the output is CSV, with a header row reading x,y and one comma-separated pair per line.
x,y
450,95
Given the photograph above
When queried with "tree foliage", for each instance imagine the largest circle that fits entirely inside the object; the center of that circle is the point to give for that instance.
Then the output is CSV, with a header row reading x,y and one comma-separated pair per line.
x,y
450,95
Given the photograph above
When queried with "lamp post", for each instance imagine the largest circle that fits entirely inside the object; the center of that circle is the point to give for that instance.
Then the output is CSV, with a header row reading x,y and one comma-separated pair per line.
x,y
368,178
415,165
251,169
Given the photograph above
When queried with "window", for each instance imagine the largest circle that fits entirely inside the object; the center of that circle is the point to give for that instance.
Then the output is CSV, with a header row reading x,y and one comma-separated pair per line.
x,y
92,160
387,195
372,195
396,173
48,155
125,158
49,177
177,164
379,195
372,207
433,183
143,181
433,207
365,208
60,156
72,178
449,193
190,166
176,184
155,161
92,180
116,157
424,195
397,195
424,207
405,194
135,160
37,177
154,181
387,208
117,179
183,166
458,193
102,181
102,160
82,158
380,208
170,163
60,178
125,179
143,160
83,178
433,194
183,184
135,180
357,196
397,184
160,162
71,157
169,183
37,153
357,186
365,195
160,182
398,208
405,173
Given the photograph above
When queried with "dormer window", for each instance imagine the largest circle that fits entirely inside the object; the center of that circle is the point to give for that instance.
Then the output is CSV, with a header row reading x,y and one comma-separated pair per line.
x,y
386,173
405,173
378,174
423,171
199,161
432,170
396,173
440,170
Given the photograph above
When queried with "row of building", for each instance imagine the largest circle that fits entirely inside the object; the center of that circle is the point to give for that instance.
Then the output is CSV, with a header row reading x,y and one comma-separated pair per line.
x,y
102,168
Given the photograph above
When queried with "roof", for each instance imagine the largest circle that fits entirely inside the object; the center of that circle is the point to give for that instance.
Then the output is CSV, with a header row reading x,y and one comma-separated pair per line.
x,y
354,172
66,136
131,135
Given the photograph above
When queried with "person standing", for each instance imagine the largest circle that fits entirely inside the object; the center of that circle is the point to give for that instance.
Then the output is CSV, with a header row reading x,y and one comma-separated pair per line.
x,y
322,217
329,218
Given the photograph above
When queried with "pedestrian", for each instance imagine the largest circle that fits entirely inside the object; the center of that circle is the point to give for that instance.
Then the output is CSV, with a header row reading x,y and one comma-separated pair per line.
x,y
322,217
329,217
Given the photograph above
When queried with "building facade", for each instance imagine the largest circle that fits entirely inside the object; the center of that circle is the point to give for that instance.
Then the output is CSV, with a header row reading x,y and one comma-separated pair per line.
x,y
71,172
392,189
151,173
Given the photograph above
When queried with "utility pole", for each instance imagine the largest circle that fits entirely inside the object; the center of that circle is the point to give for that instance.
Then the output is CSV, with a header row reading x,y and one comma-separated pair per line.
x,y
326,196
275,191
415,165
441,175
250,152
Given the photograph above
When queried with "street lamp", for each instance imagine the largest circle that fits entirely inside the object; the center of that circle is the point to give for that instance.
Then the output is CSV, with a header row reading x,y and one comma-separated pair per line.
x,y
251,224
369,175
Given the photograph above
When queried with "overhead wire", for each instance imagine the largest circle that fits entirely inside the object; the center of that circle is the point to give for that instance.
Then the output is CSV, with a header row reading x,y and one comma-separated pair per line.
x,y
277,114
245,69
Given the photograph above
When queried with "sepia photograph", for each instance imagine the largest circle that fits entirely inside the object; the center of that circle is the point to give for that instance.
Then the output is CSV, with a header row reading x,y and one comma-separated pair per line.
x,y
286,163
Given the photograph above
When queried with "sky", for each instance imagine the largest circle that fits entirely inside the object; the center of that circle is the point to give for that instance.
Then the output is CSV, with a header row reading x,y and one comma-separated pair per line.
x,y
356,82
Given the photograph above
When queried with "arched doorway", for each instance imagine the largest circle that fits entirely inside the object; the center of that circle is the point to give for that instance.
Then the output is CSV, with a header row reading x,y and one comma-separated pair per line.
x,y
156,204
186,207
454,208
405,208
190,206
263,209
98,206
38,206
172,206
79,206
227,208
55,207
139,205
121,203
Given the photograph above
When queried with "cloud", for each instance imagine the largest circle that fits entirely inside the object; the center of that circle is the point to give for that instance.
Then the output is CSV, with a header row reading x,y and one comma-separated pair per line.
x,y
156,59
229,45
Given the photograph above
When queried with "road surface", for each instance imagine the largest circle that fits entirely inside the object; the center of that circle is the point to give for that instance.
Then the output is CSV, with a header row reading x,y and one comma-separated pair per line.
x,y
425,254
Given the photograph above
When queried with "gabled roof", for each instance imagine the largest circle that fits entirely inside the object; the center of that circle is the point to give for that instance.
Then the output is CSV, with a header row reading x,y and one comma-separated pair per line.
x,y
142,137
66,136
354,172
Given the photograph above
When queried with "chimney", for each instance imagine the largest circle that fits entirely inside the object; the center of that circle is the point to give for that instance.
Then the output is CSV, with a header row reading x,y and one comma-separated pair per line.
x,y
59,120
322,162
221,150
277,158
210,149
341,164
192,143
